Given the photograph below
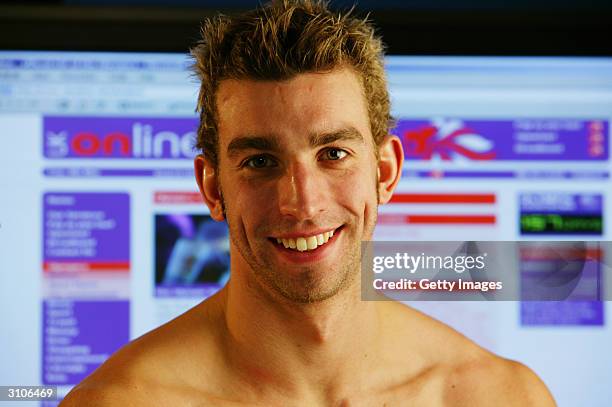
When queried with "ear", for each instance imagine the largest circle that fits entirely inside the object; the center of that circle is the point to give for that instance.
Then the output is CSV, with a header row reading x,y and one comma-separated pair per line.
x,y
208,182
390,164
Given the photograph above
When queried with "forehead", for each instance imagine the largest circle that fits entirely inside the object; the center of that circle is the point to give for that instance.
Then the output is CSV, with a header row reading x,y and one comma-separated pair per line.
x,y
307,104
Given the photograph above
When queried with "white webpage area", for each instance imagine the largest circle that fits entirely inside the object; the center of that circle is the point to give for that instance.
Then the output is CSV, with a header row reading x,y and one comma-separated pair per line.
x,y
99,201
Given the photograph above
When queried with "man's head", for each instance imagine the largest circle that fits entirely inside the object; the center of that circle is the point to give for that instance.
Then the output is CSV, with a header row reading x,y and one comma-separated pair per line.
x,y
291,151
279,41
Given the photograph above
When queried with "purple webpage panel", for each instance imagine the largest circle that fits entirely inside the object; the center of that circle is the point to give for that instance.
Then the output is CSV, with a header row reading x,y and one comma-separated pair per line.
x,y
565,313
86,227
118,137
498,140
561,202
570,277
78,336
562,275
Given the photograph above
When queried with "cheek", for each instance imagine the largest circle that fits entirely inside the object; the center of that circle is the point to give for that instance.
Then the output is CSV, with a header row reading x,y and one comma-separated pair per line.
x,y
247,204
357,189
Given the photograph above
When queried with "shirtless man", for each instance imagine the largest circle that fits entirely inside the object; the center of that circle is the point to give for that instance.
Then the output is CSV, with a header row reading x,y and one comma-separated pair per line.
x,y
294,129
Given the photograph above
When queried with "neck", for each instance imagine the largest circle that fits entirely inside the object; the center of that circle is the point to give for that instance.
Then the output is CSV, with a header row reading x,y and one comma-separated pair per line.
x,y
299,349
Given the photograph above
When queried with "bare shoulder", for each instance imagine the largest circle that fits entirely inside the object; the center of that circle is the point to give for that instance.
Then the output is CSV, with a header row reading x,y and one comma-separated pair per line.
x,y
156,369
462,371
101,393
492,380
121,380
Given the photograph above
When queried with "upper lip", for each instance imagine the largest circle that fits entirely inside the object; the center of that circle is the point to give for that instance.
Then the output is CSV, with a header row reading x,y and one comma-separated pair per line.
x,y
304,233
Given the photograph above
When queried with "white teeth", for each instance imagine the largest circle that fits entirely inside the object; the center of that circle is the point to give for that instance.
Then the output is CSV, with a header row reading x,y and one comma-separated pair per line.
x,y
301,244
306,243
312,242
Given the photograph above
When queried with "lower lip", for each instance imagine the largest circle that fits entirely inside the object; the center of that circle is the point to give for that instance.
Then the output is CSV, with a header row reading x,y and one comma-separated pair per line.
x,y
308,256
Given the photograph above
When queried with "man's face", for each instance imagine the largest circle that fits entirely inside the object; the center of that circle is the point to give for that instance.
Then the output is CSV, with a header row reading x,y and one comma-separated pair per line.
x,y
296,164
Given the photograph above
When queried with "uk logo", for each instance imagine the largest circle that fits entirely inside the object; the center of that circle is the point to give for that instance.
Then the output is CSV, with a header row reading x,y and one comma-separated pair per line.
x,y
56,144
446,139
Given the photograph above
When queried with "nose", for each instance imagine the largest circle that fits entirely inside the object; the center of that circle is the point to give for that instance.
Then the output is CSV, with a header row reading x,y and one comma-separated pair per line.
x,y
301,192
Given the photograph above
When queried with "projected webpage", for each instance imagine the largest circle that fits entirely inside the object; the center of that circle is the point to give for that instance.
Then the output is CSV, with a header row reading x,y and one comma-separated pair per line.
x,y
104,235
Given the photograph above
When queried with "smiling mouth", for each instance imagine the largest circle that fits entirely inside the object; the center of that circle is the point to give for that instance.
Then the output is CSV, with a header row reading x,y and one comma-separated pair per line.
x,y
306,243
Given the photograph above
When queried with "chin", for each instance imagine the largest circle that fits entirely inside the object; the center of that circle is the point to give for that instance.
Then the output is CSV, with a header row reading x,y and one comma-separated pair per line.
x,y
311,285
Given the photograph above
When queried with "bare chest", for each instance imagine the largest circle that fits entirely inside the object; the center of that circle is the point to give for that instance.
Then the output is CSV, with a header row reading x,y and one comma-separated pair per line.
x,y
408,394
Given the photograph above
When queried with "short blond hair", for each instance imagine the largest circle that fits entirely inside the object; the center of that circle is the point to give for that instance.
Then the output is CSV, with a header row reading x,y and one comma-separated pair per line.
x,y
278,41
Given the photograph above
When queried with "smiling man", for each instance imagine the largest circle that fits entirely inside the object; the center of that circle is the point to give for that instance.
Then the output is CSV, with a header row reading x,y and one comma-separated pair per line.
x,y
296,180
297,158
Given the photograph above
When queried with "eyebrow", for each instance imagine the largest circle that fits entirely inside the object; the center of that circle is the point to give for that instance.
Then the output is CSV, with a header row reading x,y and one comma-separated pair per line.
x,y
270,143
345,134
251,143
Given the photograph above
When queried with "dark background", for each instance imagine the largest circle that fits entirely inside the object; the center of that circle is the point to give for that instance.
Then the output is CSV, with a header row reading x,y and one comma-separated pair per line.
x,y
418,27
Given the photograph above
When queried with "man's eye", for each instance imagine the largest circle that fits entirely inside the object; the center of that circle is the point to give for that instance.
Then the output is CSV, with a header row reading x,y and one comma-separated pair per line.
x,y
334,154
260,161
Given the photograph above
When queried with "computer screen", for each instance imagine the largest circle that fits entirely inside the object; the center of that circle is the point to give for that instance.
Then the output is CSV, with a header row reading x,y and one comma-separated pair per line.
x,y
104,236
